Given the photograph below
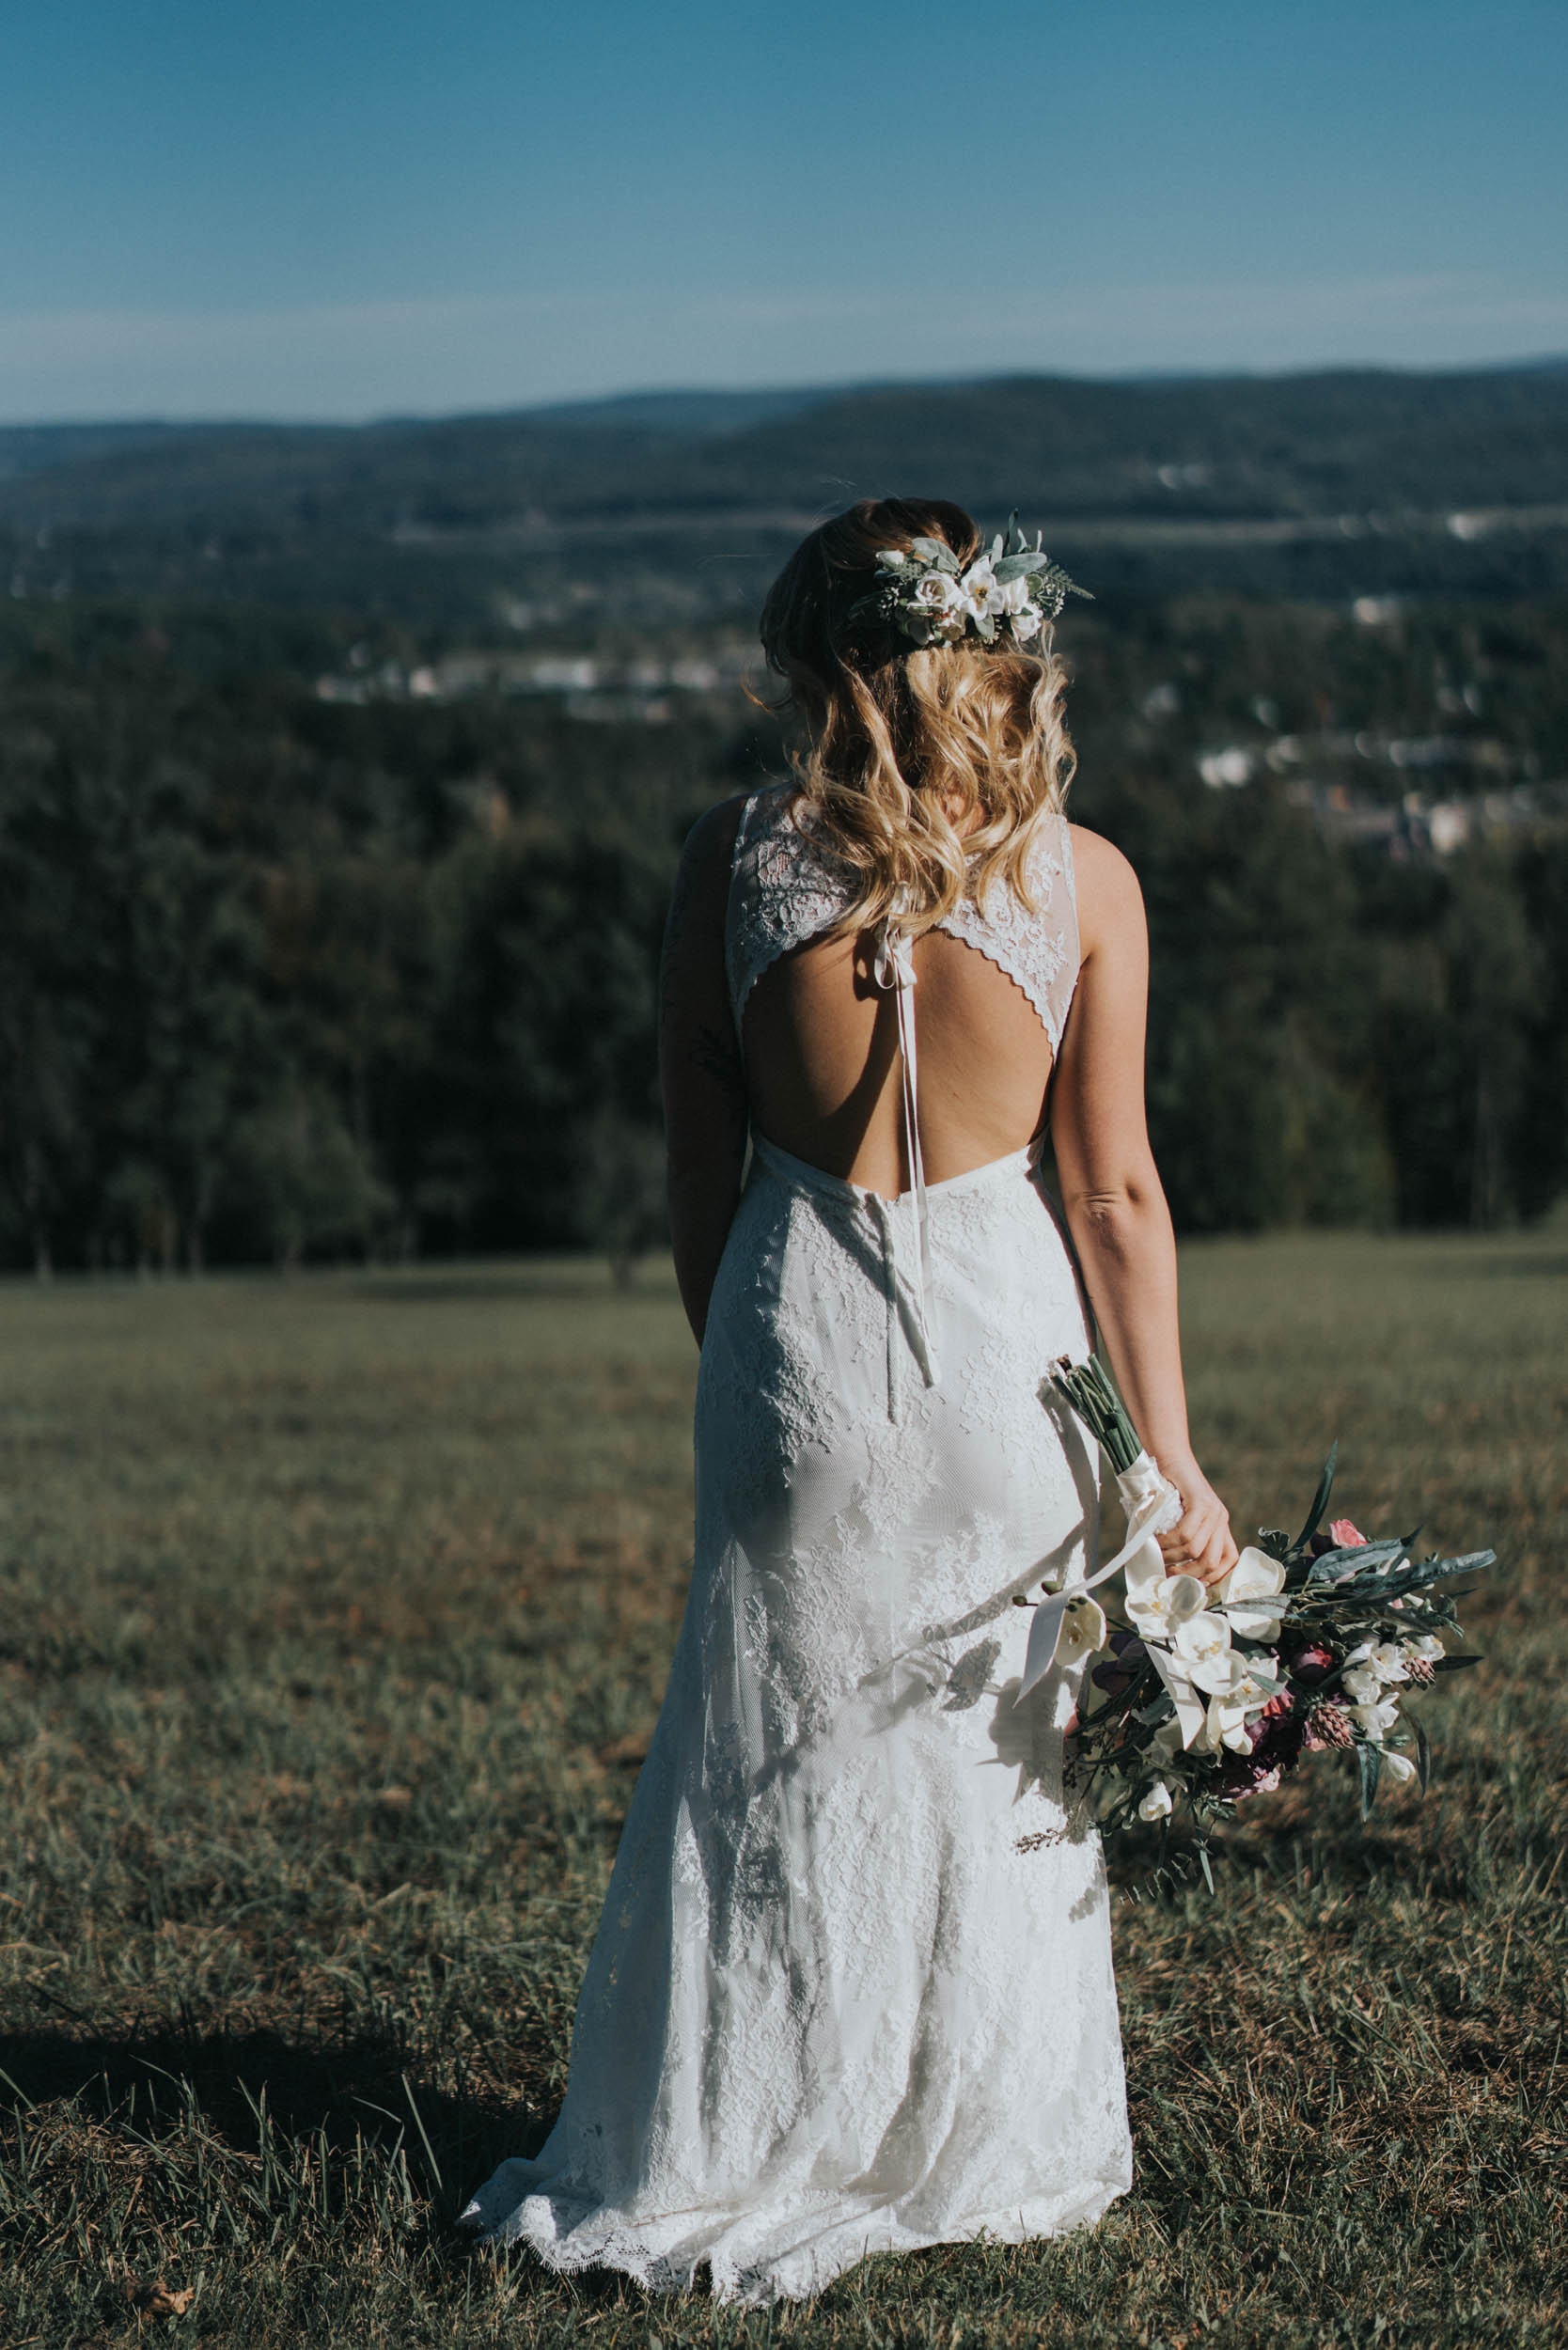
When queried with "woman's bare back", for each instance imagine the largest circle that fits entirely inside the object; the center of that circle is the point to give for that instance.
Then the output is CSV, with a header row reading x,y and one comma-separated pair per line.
x,y
821,1077
822,1053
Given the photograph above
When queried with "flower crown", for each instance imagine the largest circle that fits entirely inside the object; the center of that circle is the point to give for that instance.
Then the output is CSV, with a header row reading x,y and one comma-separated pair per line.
x,y
927,597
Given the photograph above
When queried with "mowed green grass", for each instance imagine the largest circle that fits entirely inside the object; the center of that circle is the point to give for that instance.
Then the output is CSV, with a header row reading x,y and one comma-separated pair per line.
x,y
334,1617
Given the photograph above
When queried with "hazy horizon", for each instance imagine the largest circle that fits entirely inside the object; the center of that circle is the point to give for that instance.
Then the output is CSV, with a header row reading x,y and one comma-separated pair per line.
x,y
638,395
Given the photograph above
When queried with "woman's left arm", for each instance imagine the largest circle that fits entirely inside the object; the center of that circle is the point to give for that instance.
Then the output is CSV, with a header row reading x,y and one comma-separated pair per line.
x,y
700,1070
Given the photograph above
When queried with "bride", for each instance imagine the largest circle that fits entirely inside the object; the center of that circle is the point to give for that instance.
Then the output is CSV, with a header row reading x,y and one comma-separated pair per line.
x,y
832,2008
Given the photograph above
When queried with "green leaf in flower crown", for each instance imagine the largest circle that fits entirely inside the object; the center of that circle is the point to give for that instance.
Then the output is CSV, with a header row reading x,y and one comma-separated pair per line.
x,y
1020,567
985,628
1370,1760
1454,1663
936,551
1320,1499
1053,587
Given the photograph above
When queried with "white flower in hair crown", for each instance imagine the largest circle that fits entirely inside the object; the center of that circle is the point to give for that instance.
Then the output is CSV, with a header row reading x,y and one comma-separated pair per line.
x,y
932,599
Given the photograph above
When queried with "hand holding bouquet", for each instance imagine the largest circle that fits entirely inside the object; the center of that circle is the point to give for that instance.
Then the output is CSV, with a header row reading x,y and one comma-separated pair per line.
x,y
1209,1695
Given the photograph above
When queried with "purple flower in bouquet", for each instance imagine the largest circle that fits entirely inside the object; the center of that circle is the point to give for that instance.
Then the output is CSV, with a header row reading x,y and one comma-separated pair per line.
x,y
1278,1736
1244,1775
1284,1738
1261,1725
1120,1670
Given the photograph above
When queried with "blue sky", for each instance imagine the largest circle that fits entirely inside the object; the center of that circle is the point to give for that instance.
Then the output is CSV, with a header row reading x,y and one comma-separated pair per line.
x,y
321,207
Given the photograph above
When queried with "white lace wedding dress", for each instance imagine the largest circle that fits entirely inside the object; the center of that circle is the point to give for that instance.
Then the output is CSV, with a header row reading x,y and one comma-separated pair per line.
x,y
832,2009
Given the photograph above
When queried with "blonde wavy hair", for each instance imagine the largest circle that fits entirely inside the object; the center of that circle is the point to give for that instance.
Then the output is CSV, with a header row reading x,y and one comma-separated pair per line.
x,y
929,768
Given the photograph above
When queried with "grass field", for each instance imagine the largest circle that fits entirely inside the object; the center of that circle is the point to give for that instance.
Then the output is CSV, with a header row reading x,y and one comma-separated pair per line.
x,y
334,1616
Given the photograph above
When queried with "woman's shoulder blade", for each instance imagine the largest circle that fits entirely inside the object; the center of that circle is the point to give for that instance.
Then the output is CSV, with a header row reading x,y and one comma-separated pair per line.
x,y
785,891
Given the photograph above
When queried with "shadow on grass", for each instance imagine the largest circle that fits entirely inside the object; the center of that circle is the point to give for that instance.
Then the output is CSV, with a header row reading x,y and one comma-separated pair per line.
x,y
1287,1856
161,2088
359,2087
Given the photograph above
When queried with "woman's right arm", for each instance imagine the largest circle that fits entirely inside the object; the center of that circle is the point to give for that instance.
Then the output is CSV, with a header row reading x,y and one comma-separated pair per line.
x,y
1116,1208
700,1074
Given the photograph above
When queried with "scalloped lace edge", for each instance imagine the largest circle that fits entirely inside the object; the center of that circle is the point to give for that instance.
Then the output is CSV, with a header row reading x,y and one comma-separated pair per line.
x,y
611,2241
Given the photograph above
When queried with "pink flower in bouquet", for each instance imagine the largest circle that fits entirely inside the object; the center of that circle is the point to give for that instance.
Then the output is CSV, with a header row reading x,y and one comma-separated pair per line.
x,y
1310,1664
1342,1535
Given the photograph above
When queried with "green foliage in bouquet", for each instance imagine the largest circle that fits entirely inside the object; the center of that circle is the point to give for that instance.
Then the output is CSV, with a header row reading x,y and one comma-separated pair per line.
x,y
1206,1696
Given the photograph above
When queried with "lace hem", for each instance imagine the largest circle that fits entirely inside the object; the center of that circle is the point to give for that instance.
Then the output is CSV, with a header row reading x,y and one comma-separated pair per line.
x,y
569,2235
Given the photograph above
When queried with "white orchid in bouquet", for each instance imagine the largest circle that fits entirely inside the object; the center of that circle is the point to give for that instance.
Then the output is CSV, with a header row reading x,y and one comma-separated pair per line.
x,y
1210,1695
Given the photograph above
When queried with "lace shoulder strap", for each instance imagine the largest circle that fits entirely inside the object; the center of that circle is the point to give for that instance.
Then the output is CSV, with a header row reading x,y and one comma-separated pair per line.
x,y
1037,950
783,891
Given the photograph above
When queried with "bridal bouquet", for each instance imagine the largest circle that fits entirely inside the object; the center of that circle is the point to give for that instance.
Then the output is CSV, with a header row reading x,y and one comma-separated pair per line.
x,y
1210,1695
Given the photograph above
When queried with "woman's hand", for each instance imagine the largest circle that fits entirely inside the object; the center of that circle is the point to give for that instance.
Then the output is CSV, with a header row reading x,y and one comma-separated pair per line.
x,y
1202,1543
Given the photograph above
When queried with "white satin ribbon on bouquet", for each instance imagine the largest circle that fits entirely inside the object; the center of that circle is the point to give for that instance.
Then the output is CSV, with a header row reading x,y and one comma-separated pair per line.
x,y
1153,1505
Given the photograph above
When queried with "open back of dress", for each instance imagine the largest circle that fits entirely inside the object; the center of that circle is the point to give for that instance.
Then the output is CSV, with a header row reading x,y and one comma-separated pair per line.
x,y
832,2008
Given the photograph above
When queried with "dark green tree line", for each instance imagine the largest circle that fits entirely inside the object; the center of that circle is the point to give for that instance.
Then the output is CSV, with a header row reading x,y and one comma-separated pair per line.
x,y
280,979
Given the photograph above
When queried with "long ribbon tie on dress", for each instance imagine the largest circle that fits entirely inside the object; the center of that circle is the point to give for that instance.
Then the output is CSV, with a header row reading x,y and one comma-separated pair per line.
x,y
893,970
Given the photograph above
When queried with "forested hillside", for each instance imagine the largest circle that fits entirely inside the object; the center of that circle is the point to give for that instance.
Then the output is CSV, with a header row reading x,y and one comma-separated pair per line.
x,y
342,776
1335,483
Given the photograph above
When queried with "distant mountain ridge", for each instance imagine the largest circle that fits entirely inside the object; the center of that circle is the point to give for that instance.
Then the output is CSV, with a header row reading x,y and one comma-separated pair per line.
x,y
1119,460
1224,445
